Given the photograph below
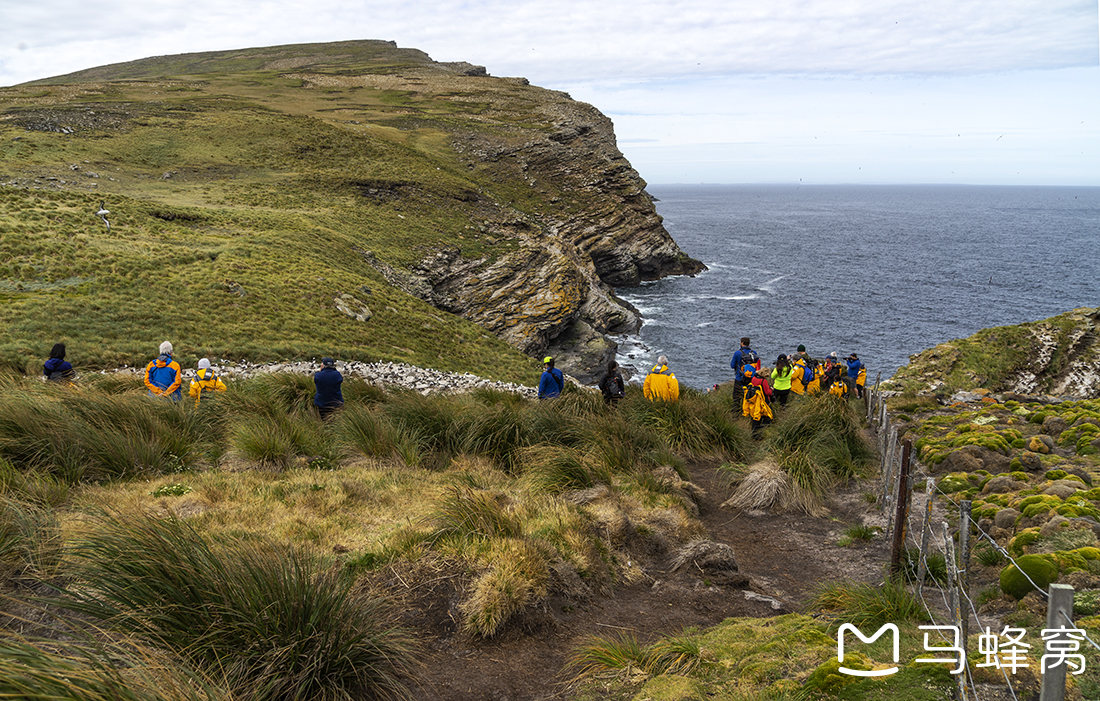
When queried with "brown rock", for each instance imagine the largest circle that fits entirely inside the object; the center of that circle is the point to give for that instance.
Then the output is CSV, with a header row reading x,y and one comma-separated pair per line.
x,y
1001,485
1006,519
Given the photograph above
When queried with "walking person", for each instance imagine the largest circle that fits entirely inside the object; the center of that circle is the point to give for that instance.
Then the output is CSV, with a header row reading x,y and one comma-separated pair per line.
x,y
552,381
163,376
57,369
328,397
205,381
611,385
660,384
782,376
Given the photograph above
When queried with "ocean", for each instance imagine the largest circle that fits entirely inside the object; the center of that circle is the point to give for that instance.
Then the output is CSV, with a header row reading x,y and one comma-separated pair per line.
x,y
883,271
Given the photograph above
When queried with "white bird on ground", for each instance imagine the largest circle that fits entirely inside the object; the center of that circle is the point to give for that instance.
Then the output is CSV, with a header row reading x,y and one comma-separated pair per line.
x,y
102,214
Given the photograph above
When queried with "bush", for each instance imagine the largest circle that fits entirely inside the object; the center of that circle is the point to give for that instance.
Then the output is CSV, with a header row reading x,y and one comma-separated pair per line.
x,y
1027,574
273,622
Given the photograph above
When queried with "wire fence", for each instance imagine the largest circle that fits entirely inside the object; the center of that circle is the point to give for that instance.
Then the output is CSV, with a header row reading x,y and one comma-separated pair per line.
x,y
912,532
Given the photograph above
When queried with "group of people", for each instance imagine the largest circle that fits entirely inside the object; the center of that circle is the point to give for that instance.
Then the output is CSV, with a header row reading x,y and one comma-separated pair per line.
x,y
800,373
163,377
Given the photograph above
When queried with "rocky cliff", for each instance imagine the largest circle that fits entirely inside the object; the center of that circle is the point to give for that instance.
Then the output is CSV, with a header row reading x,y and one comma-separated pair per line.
x,y
501,202
1059,356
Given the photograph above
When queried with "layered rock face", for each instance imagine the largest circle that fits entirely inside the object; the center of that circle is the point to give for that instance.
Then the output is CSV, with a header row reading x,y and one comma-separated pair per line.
x,y
589,226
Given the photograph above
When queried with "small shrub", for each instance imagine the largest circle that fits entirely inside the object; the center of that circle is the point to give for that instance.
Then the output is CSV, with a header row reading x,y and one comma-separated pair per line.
x,y
863,603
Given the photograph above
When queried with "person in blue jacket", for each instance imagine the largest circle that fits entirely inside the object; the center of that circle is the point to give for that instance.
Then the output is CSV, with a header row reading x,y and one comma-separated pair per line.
x,y
742,358
327,380
57,369
854,366
163,375
552,381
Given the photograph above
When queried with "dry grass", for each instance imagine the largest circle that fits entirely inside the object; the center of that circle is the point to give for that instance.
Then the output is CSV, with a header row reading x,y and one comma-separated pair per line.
x,y
766,485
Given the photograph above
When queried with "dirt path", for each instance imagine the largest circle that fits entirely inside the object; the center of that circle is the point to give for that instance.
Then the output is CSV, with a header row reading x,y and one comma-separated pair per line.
x,y
784,557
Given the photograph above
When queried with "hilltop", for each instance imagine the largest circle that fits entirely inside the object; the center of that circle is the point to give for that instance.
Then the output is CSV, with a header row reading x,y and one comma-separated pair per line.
x,y
353,199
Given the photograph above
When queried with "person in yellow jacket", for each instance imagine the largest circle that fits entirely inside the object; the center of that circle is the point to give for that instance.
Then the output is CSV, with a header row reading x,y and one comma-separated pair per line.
x,y
205,381
754,402
660,384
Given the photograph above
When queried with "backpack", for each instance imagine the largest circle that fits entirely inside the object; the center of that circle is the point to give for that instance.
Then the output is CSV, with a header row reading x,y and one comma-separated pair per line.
x,y
748,357
755,403
807,373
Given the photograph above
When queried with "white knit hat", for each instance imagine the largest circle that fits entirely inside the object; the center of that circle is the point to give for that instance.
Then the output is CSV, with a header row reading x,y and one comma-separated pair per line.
x,y
166,348
204,364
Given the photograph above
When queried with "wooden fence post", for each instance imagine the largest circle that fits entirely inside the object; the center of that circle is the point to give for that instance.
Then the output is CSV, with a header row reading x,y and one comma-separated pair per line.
x,y
1060,604
901,517
953,599
964,570
926,531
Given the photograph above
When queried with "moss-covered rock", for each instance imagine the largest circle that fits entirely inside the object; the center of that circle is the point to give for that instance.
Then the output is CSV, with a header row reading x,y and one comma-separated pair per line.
x,y
1040,571
1024,539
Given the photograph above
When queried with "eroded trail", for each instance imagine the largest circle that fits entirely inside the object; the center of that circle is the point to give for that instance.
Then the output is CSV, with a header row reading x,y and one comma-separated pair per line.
x,y
784,556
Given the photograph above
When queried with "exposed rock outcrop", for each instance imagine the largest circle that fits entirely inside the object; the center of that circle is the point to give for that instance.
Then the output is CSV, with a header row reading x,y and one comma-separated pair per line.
x,y
1059,356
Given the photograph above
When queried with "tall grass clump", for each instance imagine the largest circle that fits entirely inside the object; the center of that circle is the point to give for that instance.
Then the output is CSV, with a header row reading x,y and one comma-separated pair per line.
x,y
555,469
433,424
471,513
30,540
677,422
497,432
864,603
366,430
827,428
268,619
275,440
82,671
517,577
625,653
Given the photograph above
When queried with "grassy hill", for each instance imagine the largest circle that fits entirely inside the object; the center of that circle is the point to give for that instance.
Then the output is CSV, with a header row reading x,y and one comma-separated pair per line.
x,y
250,189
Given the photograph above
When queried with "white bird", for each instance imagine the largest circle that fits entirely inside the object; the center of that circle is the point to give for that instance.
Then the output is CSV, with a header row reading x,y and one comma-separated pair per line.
x,y
102,214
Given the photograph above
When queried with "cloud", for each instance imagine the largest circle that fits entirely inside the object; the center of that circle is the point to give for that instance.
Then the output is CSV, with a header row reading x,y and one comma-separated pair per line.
x,y
580,40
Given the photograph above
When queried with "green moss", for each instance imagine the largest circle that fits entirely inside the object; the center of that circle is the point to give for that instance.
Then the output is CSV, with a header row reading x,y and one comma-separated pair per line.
x,y
828,679
1024,539
1055,474
954,482
1041,569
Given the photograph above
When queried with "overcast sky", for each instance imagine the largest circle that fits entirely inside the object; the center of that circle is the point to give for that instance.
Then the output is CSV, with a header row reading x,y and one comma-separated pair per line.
x,y
719,91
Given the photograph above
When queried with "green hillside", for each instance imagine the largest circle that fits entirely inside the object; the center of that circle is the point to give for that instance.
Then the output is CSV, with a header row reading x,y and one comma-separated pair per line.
x,y
245,199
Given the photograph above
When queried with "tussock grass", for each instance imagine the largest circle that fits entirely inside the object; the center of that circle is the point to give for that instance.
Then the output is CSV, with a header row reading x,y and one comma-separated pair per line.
x,y
267,618
517,578
89,671
624,654
30,540
864,603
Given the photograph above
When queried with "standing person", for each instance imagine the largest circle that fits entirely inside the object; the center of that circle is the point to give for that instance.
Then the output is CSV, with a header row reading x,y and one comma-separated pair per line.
x,y
327,380
831,381
781,379
857,375
205,381
57,369
754,403
163,376
612,385
742,358
810,379
660,384
552,382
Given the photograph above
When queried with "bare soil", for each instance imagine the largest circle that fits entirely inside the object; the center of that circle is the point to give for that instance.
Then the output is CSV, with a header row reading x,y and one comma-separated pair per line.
x,y
782,558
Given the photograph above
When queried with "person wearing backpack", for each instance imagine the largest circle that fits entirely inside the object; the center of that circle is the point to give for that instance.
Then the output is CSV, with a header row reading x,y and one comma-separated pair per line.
x,y
57,369
552,381
163,376
205,381
660,384
743,358
612,385
782,378
754,402
327,381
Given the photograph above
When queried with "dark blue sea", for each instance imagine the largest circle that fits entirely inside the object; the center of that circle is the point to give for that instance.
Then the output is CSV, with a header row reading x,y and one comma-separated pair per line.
x,y
882,271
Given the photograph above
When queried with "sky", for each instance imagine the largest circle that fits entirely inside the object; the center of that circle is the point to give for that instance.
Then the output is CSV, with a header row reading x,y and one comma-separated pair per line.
x,y
700,91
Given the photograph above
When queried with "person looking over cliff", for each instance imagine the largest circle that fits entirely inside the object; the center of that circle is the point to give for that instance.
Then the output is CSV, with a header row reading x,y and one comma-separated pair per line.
x,y
755,402
612,385
163,376
744,357
781,379
660,384
57,369
327,381
552,382
857,375
205,381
